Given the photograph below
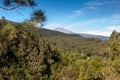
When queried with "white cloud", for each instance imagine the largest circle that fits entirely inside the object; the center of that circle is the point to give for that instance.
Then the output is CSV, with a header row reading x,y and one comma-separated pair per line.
x,y
92,5
97,26
96,3
113,28
75,14
81,11
107,20
107,23
78,11
104,33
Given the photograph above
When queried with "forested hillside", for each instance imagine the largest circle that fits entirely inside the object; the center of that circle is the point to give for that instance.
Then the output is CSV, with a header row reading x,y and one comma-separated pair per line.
x,y
31,53
72,43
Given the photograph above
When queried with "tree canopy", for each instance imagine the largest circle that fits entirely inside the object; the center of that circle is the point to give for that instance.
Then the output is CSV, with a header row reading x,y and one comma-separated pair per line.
x,y
16,4
37,15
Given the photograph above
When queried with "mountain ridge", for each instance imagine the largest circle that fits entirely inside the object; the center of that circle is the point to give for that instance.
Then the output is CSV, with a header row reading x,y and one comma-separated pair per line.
x,y
81,34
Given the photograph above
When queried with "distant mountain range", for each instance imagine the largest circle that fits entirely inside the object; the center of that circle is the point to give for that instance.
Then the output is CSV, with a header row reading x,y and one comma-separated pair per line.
x,y
83,35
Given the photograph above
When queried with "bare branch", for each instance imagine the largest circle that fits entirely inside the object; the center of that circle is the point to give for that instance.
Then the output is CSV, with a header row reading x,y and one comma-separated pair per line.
x,y
10,8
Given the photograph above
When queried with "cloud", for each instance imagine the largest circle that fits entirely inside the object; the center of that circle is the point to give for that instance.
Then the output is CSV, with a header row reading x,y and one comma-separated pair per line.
x,y
75,14
98,32
107,20
98,26
113,28
92,5
79,12
96,3
79,29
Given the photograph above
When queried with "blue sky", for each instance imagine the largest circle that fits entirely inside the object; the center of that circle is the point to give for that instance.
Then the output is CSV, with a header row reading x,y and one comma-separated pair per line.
x,y
99,17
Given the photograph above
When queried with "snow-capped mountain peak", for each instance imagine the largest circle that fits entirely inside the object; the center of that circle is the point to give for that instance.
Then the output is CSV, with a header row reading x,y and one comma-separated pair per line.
x,y
63,30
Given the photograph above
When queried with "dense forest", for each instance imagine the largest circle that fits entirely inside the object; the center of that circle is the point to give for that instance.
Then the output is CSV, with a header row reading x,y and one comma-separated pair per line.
x,y
31,53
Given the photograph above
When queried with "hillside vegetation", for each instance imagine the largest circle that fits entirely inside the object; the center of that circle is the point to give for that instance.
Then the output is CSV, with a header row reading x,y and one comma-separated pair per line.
x,y
73,43
31,53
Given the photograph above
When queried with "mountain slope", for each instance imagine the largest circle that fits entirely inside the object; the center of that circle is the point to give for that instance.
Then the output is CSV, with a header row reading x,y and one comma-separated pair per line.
x,y
84,35
72,42
31,53
63,30
95,36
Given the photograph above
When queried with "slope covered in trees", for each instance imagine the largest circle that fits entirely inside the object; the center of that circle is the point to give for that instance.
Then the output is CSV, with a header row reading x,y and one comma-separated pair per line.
x,y
31,53
24,54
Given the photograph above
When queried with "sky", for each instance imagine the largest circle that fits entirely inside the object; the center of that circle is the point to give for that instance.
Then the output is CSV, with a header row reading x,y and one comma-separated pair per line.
x,y
98,17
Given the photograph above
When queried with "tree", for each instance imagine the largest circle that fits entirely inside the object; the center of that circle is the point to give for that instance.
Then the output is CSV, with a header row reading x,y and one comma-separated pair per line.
x,y
38,17
3,20
16,4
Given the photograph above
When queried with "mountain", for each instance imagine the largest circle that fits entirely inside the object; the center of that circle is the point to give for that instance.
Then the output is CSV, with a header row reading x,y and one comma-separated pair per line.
x,y
63,30
95,36
53,33
83,35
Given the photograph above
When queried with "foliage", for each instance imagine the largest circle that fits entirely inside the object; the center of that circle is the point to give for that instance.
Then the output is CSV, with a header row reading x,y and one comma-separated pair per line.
x,y
30,53
24,55
38,17
21,2
13,4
